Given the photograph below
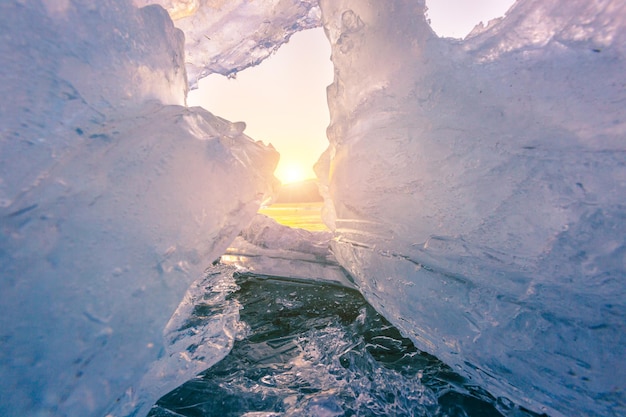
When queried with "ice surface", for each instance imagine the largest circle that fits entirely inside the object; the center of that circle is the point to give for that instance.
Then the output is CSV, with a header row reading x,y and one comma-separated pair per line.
x,y
477,191
309,349
113,199
199,334
206,323
268,248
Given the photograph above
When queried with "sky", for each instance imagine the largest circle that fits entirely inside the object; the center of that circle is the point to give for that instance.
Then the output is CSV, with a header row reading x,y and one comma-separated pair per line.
x,y
283,100
456,18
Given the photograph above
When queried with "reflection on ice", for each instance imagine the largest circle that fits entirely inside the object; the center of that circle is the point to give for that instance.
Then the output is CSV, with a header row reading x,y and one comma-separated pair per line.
x,y
306,346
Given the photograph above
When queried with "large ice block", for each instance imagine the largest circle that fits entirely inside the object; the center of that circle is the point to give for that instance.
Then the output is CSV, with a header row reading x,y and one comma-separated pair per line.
x,y
113,198
477,190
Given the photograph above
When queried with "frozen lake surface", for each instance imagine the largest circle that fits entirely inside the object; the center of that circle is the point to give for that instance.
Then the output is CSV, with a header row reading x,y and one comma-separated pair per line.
x,y
301,215
311,347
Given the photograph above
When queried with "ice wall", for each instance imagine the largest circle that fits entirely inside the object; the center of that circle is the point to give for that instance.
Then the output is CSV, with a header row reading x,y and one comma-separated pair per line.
x,y
477,191
475,188
114,197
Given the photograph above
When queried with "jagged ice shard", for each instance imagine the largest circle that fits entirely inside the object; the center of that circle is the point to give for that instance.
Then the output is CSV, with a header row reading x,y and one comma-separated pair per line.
x,y
114,197
477,191
476,188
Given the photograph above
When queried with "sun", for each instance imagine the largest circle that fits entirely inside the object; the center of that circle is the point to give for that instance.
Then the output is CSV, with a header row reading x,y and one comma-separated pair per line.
x,y
290,173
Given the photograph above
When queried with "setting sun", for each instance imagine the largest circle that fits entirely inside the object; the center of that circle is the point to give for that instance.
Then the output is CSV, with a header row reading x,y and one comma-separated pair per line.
x,y
290,173
283,102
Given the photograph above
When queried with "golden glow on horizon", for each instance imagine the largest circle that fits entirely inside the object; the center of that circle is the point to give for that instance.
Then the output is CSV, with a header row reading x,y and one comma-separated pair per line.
x,y
282,101
307,216
291,172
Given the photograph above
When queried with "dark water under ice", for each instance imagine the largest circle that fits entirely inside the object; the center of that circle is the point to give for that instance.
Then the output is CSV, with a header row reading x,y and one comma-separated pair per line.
x,y
315,349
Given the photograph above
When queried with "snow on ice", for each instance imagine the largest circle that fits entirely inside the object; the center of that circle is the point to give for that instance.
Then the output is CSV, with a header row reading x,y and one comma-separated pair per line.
x,y
475,188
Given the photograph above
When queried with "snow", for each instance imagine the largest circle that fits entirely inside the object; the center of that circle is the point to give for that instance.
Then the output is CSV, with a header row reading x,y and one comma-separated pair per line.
x,y
475,189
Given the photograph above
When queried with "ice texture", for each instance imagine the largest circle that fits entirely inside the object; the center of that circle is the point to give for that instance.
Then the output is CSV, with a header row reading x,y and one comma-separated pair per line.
x,y
206,323
200,333
114,197
475,188
477,191
225,37
268,248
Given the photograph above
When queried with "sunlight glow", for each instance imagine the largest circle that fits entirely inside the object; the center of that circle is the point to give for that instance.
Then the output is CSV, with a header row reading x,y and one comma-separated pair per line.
x,y
290,173
282,101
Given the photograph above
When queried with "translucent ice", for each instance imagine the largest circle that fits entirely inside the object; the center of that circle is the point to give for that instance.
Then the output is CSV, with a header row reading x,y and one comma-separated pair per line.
x,y
477,190
113,199
225,37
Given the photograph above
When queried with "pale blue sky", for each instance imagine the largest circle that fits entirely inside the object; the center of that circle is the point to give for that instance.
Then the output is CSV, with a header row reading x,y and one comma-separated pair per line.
x,y
283,100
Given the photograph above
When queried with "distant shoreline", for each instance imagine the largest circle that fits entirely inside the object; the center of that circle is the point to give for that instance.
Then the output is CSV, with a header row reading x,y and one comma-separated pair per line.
x,y
299,192
305,216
